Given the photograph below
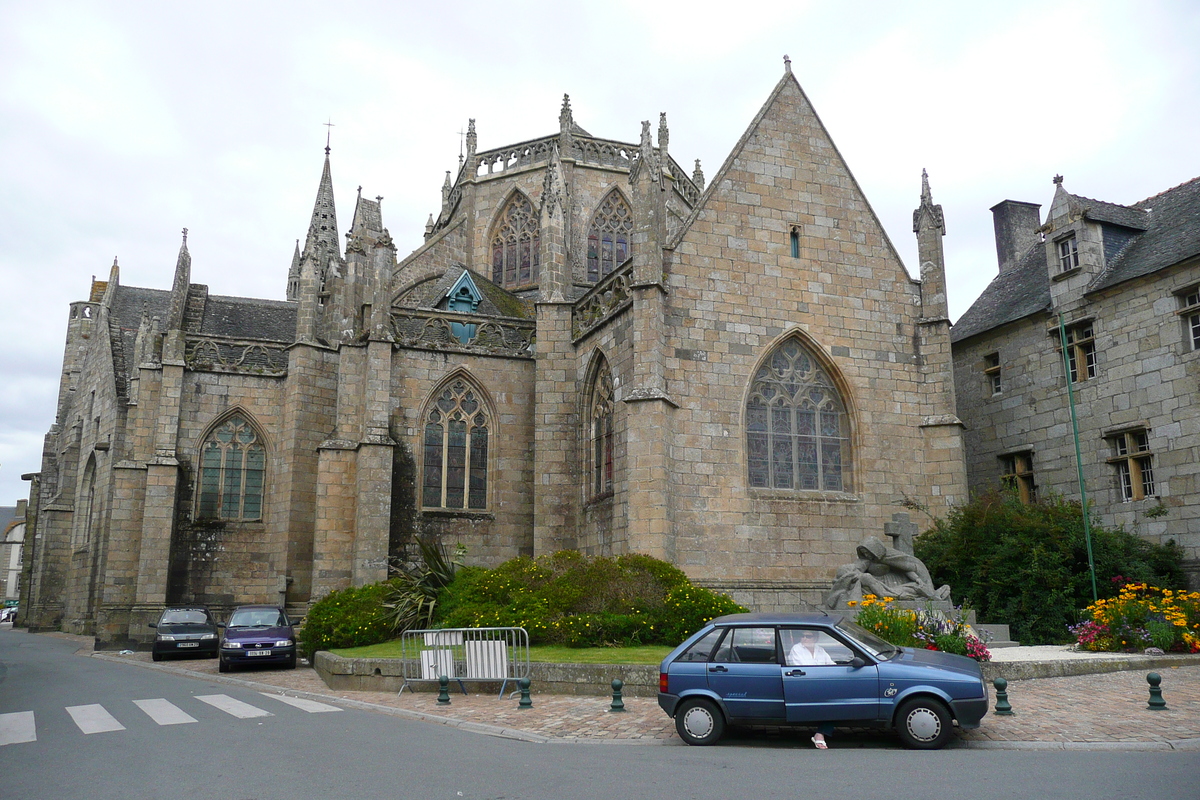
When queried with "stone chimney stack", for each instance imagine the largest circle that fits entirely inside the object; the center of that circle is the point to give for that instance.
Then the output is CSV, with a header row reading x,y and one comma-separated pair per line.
x,y
1016,231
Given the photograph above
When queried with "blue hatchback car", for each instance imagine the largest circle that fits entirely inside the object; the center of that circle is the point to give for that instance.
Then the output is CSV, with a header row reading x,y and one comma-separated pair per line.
x,y
808,669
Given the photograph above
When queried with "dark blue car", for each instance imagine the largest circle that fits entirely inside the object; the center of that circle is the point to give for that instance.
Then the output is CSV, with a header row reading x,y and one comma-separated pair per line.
x,y
257,635
808,669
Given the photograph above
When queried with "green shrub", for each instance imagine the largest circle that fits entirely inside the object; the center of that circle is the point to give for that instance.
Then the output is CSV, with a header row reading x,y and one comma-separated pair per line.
x,y
348,618
1025,565
568,598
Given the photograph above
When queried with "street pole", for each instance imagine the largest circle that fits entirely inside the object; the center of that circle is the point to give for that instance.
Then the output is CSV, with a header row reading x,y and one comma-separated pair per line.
x,y
1087,525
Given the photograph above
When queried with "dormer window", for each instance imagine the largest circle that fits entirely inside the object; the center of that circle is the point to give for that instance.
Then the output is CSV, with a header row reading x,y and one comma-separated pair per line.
x,y
1068,254
463,298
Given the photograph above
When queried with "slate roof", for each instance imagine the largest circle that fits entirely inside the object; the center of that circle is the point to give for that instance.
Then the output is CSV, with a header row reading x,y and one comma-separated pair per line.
x,y
1012,295
250,318
1173,236
496,302
1170,225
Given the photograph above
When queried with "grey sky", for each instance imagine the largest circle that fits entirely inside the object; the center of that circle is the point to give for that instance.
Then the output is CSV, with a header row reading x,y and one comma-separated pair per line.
x,y
122,123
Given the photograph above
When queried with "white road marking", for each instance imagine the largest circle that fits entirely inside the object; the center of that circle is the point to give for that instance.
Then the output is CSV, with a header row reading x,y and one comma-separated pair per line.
x,y
17,727
164,712
94,719
311,706
231,706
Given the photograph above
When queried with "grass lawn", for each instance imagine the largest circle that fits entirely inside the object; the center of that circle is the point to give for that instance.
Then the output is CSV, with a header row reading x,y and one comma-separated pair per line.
x,y
552,654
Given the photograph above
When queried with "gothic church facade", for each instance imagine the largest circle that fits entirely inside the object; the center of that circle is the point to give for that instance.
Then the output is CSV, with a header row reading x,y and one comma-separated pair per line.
x,y
591,349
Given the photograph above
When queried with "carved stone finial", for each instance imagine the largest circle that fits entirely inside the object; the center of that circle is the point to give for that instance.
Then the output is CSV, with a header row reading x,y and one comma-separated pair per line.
x,y
565,118
1058,179
698,176
645,142
184,237
472,139
378,198
787,63
664,135
114,261
926,194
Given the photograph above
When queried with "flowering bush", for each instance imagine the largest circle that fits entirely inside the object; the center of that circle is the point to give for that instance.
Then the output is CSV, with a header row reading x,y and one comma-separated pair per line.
x,y
926,629
568,598
348,618
1142,616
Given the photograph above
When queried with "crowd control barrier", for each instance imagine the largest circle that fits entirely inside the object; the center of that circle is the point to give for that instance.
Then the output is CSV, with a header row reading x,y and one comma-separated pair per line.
x,y
465,654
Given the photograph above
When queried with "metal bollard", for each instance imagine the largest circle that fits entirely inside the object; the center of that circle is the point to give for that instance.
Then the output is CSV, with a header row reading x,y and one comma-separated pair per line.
x,y
443,691
1156,699
617,703
525,702
1003,709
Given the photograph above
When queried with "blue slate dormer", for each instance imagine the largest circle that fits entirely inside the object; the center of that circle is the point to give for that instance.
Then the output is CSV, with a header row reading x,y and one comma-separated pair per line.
x,y
464,298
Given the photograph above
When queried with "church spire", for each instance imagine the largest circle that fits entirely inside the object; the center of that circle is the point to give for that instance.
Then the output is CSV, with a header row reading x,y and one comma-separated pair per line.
x,y
322,239
179,288
930,226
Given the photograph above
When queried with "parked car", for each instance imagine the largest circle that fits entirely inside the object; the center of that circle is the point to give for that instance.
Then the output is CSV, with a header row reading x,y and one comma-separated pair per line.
x,y
744,669
184,630
257,635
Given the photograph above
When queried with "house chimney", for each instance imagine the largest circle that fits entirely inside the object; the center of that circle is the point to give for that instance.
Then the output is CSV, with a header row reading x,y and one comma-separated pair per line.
x,y
1016,225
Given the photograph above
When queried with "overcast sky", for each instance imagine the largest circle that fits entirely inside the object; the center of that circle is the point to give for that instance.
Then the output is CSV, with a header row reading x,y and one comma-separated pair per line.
x,y
122,123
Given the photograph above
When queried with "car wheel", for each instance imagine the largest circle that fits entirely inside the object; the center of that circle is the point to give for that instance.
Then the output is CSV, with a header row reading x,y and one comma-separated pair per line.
x,y
924,724
222,665
699,722
155,656
290,663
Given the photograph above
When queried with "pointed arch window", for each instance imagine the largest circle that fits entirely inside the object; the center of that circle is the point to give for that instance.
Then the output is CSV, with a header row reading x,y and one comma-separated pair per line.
x,y
797,429
232,470
609,236
515,257
455,460
600,433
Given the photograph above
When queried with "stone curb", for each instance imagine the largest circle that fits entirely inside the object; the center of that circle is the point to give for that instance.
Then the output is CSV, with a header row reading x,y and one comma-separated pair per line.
x,y
1188,745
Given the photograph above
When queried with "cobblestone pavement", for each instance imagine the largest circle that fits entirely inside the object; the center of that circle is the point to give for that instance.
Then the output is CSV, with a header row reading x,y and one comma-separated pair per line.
x,y
1100,711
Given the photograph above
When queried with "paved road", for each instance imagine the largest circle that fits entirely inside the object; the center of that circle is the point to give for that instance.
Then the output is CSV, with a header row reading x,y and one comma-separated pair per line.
x,y
359,753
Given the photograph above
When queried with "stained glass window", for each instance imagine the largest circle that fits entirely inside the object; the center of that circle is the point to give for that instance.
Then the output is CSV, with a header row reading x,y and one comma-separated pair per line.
x,y
455,450
601,432
515,243
232,469
797,431
609,236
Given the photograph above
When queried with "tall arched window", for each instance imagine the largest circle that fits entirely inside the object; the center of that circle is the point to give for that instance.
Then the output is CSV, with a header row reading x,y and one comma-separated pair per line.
x,y
232,469
600,432
455,450
515,258
609,236
797,430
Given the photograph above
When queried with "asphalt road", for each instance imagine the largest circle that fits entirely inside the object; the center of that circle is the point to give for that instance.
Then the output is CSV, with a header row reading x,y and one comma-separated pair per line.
x,y
200,747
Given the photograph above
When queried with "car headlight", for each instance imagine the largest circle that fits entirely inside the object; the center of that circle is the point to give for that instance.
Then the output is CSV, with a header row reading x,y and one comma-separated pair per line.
x,y
284,643
163,637
208,636
232,645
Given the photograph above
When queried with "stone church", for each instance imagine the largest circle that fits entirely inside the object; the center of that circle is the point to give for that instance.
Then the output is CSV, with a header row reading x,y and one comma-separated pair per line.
x,y
592,348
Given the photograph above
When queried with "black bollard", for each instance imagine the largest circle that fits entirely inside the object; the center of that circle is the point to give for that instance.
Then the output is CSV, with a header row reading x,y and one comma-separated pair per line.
x,y
1156,699
443,691
525,701
618,704
1003,709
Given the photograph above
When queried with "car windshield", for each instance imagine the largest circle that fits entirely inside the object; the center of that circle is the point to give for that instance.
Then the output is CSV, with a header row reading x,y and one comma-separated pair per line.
x,y
184,618
870,642
257,618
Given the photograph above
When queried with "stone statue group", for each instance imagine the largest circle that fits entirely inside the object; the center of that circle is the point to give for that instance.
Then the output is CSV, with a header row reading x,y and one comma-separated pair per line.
x,y
884,572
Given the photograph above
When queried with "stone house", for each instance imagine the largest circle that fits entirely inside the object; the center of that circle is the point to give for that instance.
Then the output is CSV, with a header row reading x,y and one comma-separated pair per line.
x,y
1125,283
591,349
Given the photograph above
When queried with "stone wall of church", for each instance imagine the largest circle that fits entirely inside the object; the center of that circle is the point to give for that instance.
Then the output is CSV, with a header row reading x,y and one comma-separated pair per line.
x,y
735,292
505,529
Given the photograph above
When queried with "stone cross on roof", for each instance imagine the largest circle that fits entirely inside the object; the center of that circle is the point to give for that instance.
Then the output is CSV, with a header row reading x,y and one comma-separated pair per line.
x,y
902,531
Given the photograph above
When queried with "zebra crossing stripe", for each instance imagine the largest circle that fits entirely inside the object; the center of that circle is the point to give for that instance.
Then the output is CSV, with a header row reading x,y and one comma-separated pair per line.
x,y
164,712
311,706
94,719
17,727
231,706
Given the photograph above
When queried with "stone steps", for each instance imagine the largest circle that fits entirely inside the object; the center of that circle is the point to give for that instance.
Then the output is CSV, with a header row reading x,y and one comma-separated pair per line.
x,y
1000,636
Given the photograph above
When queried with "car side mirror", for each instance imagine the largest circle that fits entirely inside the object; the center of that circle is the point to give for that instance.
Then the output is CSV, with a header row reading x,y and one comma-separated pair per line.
x,y
153,624
220,624
857,662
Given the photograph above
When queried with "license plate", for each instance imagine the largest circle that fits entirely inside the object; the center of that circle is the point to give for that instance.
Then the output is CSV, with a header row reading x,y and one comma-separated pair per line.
x,y
187,644
258,652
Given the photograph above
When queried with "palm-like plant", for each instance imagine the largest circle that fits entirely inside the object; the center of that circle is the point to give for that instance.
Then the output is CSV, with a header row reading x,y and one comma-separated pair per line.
x,y
411,599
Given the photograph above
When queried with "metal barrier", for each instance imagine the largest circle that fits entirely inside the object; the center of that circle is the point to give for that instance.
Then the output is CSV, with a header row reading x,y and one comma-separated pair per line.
x,y
465,654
